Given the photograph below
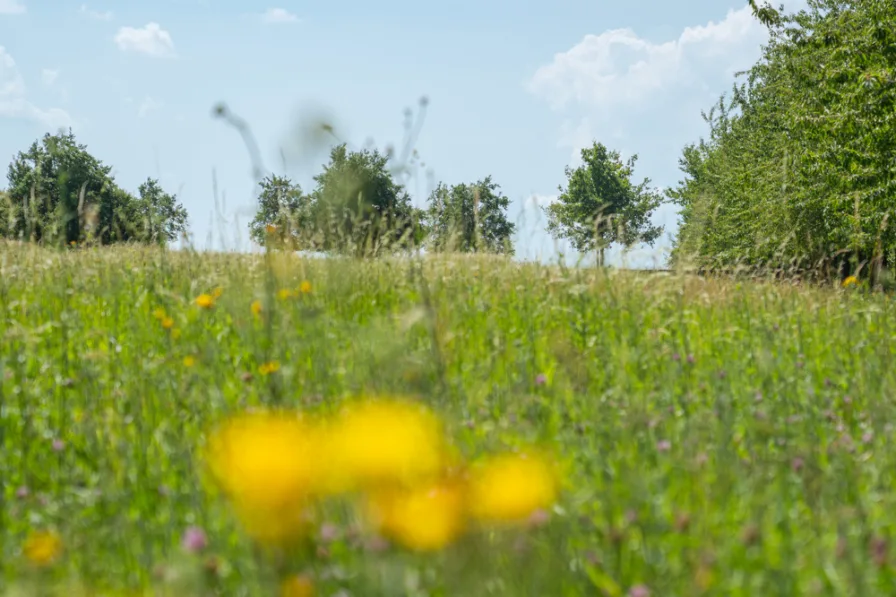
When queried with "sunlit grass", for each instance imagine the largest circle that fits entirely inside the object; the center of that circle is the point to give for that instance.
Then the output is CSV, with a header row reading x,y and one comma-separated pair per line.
x,y
712,436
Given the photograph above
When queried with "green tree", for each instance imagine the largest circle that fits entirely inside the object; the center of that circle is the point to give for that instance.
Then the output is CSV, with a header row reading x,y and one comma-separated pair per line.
x,y
799,170
282,204
469,217
163,218
357,206
59,192
601,205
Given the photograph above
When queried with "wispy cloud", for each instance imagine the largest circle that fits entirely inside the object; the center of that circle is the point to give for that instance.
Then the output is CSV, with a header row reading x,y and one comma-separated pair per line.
x,y
11,7
95,14
150,40
14,102
146,106
278,15
49,76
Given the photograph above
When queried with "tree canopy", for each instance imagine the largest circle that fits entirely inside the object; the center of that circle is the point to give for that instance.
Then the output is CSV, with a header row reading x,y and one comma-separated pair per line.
x,y
798,168
469,217
59,192
601,205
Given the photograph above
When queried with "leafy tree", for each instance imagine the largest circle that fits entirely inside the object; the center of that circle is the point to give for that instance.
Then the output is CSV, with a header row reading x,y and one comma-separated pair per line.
x,y
282,204
162,216
470,217
357,207
601,205
59,192
799,170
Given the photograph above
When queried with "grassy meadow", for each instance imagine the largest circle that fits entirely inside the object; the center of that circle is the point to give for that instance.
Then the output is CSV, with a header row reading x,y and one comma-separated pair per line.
x,y
715,437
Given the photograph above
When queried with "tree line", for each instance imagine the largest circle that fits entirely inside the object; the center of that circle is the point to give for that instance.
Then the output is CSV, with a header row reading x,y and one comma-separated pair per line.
x,y
59,193
797,174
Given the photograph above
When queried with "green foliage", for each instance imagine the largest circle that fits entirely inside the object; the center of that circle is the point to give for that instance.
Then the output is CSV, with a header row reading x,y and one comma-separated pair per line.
x,y
469,217
282,204
799,170
356,208
58,192
601,205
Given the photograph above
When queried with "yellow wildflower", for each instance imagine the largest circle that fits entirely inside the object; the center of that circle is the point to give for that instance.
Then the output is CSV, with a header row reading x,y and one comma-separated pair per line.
x,y
217,292
270,228
850,281
159,313
285,293
42,547
386,441
510,488
256,308
268,368
189,361
426,518
167,323
267,464
206,301
305,287
297,586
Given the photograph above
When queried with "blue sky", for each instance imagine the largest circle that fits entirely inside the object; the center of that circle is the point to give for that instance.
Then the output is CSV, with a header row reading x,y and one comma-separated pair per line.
x,y
515,90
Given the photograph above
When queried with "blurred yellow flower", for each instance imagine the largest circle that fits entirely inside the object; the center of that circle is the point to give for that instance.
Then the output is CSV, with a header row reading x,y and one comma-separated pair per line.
x,y
285,293
270,229
217,292
175,333
425,518
297,586
159,313
511,487
167,323
268,465
850,281
385,442
206,301
42,547
268,368
305,287
189,361
255,307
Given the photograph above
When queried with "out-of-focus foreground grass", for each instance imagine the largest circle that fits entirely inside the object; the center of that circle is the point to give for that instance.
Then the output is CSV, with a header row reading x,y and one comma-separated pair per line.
x,y
714,437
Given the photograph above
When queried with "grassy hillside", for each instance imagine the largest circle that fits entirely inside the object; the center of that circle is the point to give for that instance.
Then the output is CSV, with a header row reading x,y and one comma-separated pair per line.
x,y
716,437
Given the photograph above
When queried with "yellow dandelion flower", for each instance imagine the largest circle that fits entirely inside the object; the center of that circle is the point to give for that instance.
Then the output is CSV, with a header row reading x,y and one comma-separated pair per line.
x,y
159,313
510,488
385,442
305,287
42,547
189,361
206,301
297,586
217,292
167,323
285,293
268,368
425,518
255,308
268,465
850,281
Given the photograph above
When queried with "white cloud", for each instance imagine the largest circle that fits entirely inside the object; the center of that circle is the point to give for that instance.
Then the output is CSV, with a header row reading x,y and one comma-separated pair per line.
x,y
618,68
11,7
277,15
146,106
95,14
49,76
151,40
13,100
